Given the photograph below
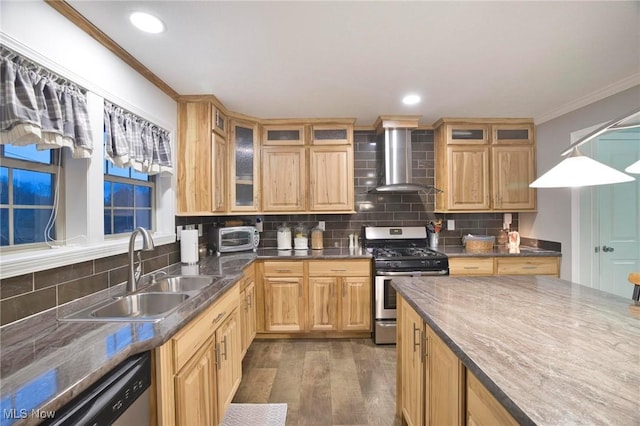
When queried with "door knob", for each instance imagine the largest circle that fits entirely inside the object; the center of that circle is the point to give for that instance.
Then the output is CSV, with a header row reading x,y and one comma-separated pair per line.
x,y
607,249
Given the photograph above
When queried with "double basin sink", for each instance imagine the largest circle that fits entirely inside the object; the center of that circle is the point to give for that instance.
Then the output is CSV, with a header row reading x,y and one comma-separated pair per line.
x,y
153,303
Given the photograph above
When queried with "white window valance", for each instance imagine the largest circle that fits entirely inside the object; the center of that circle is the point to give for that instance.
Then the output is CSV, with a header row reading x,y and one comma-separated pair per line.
x,y
132,141
39,107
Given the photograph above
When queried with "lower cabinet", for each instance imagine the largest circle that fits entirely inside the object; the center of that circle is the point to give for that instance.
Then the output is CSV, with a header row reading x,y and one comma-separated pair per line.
x,y
313,296
431,388
247,308
519,265
198,371
482,408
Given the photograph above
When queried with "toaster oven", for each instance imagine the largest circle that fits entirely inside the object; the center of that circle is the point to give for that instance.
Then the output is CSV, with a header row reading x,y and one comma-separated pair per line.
x,y
234,238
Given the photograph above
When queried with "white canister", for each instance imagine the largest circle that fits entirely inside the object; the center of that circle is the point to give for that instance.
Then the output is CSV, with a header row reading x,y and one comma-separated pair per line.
x,y
284,237
189,246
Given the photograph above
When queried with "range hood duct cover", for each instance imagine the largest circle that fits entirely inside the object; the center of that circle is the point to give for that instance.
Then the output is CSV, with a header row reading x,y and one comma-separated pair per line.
x,y
394,162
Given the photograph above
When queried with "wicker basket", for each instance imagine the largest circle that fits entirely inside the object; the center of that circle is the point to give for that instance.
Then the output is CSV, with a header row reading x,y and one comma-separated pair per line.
x,y
478,243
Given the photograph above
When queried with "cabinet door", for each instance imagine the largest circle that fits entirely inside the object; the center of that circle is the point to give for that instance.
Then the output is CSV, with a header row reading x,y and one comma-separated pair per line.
x,y
244,171
248,316
229,360
219,122
283,179
512,134
283,304
483,409
513,171
326,134
195,389
468,177
356,304
331,178
467,134
219,173
194,158
323,304
282,135
410,332
446,383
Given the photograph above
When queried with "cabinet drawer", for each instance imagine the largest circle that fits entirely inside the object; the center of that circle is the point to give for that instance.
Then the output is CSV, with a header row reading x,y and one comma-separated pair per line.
x,y
188,340
527,266
471,266
248,276
283,269
339,268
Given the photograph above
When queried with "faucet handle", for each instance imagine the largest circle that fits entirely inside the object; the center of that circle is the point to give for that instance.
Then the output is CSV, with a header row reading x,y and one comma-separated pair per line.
x,y
154,277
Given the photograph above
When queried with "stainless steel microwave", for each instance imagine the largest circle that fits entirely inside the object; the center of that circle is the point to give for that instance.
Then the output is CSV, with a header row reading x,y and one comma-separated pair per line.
x,y
234,238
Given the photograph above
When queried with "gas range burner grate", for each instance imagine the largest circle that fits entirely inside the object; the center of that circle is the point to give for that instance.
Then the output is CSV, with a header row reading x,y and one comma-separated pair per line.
x,y
410,252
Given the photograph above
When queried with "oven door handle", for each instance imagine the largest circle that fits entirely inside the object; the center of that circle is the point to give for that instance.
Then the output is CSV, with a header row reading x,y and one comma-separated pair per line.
x,y
411,273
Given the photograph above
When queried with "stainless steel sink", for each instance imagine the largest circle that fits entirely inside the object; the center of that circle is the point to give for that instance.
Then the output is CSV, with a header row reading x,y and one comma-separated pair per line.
x,y
182,283
134,307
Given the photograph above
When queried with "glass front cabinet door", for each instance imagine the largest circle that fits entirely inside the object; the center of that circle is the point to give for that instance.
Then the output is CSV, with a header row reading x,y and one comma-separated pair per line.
x,y
244,171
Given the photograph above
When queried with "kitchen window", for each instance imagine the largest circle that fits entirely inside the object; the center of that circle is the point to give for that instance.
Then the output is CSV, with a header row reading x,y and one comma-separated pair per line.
x,y
128,199
28,183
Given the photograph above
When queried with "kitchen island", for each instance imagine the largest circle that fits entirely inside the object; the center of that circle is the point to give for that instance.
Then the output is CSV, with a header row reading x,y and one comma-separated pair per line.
x,y
549,351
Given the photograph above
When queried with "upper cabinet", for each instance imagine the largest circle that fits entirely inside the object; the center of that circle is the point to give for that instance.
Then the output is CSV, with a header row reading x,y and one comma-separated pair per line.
x,y
308,167
202,161
244,171
219,120
485,165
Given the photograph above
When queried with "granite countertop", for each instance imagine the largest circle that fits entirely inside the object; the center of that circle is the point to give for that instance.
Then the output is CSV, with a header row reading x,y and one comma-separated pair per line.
x,y
45,363
498,251
551,351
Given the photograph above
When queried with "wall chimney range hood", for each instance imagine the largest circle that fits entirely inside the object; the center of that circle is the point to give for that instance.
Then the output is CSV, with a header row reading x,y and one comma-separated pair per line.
x,y
394,157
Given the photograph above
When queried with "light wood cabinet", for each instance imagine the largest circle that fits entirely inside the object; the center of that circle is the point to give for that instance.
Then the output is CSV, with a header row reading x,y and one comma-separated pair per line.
x,y
331,134
283,292
355,306
412,369
323,304
430,376
199,369
244,170
284,179
483,409
485,165
195,389
518,265
283,134
219,120
331,178
445,395
201,161
528,266
229,361
248,308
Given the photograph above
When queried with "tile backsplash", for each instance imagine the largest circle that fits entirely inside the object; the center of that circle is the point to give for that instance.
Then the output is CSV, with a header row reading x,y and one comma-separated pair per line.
x,y
29,294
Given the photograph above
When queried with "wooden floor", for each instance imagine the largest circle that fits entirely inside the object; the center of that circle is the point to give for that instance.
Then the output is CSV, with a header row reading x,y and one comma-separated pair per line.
x,y
324,382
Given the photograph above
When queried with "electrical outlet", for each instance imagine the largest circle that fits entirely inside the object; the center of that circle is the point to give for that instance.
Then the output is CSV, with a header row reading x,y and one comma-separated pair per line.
x,y
200,226
178,232
190,227
321,225
451,224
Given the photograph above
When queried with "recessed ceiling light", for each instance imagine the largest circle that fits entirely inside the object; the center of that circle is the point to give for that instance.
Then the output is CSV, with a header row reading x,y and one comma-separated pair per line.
x,y
411,99
146,22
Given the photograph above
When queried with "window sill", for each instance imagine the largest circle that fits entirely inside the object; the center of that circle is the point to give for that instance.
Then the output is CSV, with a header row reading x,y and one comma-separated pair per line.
x,y
14,264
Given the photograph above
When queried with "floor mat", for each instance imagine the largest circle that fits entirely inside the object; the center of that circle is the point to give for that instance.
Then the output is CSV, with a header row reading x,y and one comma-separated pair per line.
x,y
255,415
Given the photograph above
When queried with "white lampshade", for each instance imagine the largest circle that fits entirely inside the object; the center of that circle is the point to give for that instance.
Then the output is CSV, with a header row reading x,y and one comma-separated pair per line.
x,y
634,168
577,170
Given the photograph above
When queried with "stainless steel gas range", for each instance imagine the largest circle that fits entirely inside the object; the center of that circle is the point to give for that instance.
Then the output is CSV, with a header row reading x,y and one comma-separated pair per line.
x,y
397,251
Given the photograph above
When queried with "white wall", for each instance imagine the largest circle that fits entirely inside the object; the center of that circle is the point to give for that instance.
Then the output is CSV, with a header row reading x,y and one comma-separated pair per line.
x,y
553,220
39,29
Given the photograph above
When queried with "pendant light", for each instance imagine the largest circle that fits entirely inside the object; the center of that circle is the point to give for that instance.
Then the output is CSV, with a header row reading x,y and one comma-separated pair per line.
x,y
579,170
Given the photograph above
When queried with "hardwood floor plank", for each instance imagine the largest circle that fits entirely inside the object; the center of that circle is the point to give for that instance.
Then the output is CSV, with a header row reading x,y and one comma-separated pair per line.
x,y
323,381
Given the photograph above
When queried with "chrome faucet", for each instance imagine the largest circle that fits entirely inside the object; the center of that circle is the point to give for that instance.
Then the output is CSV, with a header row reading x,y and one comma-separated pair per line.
x,y
136,271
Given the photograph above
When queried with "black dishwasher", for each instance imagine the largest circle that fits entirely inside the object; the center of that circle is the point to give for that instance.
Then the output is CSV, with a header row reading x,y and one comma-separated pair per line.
x,y
108,399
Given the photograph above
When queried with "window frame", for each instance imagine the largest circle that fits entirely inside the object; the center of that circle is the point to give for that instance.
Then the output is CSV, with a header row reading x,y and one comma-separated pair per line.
x,y
56,168
135,182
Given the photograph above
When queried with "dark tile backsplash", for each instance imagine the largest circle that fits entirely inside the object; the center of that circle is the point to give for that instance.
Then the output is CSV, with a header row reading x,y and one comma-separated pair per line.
x,y
28,294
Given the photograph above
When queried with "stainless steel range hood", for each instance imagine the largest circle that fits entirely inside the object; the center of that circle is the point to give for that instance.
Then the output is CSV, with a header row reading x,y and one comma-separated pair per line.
x,y
394,163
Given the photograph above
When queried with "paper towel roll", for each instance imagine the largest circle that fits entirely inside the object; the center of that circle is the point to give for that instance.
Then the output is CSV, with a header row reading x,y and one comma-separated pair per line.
x,y
189,246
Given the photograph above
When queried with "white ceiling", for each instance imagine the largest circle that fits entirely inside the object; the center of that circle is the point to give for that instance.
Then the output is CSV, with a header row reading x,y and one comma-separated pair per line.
x,y
357,59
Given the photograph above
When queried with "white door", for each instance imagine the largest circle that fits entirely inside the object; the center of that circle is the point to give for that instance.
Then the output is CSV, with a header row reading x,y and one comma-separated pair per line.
x,y
617,249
